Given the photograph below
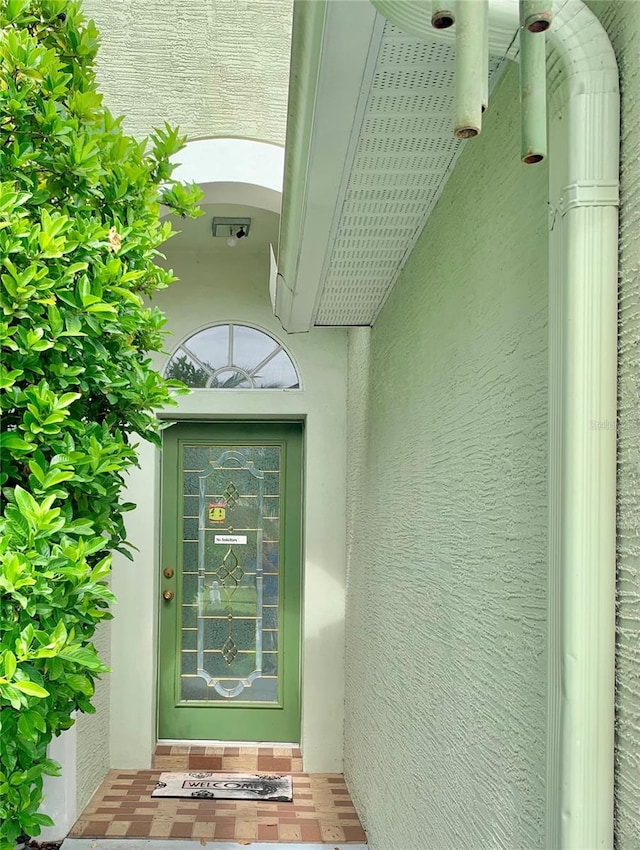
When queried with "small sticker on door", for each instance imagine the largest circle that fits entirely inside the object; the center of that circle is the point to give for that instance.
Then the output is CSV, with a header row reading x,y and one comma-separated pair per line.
x,y
231,539
217,512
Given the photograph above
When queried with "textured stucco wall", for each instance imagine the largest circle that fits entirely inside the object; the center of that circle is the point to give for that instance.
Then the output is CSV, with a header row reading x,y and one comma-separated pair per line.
x,y
92,749
622,22
446,672
215,68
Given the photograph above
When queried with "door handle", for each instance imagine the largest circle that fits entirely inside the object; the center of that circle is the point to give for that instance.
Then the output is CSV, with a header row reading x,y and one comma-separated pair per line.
x,y
168,595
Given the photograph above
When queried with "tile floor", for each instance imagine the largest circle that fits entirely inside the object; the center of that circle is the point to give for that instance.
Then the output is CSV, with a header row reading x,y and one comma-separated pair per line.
x,y
185,844
321,811
229,759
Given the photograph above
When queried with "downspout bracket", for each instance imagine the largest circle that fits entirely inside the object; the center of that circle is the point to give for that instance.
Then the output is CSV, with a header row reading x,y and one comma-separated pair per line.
x,y
588,193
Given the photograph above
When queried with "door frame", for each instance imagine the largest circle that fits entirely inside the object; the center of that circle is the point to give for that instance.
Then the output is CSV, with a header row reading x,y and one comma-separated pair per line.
x,y
290,434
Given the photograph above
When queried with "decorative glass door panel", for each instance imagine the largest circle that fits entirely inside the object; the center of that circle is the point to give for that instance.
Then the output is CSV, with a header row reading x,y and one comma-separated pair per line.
x,y
231,547
229,665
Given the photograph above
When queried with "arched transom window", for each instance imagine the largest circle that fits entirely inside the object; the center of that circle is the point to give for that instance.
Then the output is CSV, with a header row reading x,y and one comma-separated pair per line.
x,y
235,357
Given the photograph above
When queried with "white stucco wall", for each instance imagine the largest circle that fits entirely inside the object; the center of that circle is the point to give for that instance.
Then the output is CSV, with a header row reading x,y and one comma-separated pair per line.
x,y
445,720
92,756
215,68
212,290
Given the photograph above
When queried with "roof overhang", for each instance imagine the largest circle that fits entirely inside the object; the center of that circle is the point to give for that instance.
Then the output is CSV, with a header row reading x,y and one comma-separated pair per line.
x,y
331,42
343,242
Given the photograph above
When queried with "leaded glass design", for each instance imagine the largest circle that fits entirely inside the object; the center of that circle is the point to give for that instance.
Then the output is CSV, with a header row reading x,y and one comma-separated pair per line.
x,y
233,356
230,570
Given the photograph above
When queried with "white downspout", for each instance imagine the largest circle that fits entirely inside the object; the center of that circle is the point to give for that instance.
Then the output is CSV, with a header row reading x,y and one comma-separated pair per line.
x,y
583,278
584,128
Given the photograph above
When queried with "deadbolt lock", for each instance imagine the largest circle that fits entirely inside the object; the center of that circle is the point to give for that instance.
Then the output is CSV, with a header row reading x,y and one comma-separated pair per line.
x,y
168,595
168,573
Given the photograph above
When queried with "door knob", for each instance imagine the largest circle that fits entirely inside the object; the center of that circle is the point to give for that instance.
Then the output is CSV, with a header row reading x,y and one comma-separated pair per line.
x,y
168,595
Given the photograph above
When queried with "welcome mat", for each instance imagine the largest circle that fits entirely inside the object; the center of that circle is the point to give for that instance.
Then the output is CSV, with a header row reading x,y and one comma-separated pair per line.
x,y
225,786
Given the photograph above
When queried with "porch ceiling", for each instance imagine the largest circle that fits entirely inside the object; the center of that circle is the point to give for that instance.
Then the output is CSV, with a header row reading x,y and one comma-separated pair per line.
x,y
379,147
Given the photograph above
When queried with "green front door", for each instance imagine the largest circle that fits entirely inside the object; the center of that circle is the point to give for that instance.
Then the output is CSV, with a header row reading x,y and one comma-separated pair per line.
x,y
229,665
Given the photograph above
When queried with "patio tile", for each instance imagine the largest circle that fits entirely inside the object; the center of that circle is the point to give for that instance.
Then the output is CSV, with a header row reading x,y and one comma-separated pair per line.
x,y
205,763
331,832
354,833
225,828
245,830
268,831
202,829
289,832
171,762
188,844
181,830
160,829
321,812
115,829
311,831
139,829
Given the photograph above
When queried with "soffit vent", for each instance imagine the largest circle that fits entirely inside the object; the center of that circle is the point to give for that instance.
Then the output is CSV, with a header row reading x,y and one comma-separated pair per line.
x,y
404,152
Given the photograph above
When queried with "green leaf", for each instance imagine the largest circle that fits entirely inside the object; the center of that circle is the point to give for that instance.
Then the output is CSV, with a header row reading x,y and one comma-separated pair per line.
x,y
80,683
15,9
102,569
38,721
80,526
15,443
51,767
59,635
8,378
41,819
85,657
57,477
55,320
10,664
66,399
25,726
31,689
26,503
37,470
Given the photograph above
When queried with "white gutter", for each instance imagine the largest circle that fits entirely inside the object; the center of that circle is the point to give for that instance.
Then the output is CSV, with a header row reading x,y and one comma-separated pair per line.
x,y
584,125
330,39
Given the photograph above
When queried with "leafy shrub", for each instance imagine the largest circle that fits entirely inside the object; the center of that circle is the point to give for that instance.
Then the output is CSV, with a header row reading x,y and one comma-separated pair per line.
x,y
79,232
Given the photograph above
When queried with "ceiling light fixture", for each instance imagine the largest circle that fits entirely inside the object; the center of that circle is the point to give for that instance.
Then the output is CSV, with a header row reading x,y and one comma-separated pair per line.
x,y
231,229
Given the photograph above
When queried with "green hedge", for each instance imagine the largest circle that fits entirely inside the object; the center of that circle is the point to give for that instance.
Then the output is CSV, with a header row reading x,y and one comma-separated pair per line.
x,y
79,237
